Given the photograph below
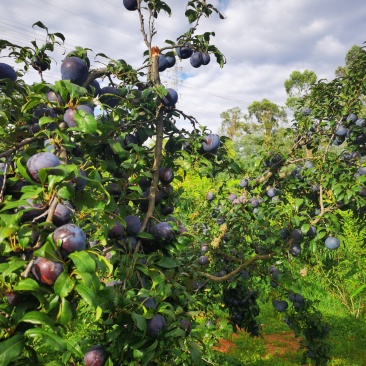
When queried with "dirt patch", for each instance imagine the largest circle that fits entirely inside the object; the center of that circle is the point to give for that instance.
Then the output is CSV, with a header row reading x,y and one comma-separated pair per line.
x,y
276,344
281,343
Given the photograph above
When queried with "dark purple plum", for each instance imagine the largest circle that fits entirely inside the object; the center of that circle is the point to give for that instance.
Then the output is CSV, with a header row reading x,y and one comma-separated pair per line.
x,y
332,242
211,143
204,248
205,58
54,97
244,183
351,118
109,96
186,325
130,5
133,224
297,234
295,249
117,231
70,237
185,51
285,234
46,271
280,306
170,61
7,72
95,356
203,260
210,196
145,183
341,131
232,196
163,231
167,210
40,161
292,297
166,174
163,64
171,99
62,214
128,141
74,69
155,326
149,302
196,59
254,202
95,84
312,231
272,192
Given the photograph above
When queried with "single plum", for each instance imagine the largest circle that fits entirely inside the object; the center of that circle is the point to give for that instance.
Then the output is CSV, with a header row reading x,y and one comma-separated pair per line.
x,y
163,231
130,5
71,238
332,242
133,224
155,325
211,143
95,356
74,69
40,161
7,72
46,271
166,174
171,98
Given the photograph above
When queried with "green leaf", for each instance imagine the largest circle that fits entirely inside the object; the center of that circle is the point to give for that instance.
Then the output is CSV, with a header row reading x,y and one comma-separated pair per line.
x,y
358,290
195,352
140,321
48,251
51,339
87,295
11,349
167,262
36,317
64,284
64,315
143,235
86,122
83,261
27,284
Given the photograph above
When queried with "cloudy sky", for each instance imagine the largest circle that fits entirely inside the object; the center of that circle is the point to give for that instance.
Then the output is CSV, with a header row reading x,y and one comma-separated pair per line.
x,y
263,41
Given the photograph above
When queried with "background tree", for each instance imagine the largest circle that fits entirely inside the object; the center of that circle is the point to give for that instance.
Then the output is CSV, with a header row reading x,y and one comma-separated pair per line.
x,y
298,85
269,115
353,56
233,124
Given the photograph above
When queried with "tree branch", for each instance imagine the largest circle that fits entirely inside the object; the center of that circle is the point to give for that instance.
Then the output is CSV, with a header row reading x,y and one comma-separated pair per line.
x,y
236,271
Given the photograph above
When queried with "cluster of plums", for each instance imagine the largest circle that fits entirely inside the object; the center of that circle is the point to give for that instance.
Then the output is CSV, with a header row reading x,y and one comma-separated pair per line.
x,y
243,308
197,58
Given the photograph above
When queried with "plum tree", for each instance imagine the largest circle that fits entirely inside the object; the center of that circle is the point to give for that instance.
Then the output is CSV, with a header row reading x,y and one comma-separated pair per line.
x,y
110,176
